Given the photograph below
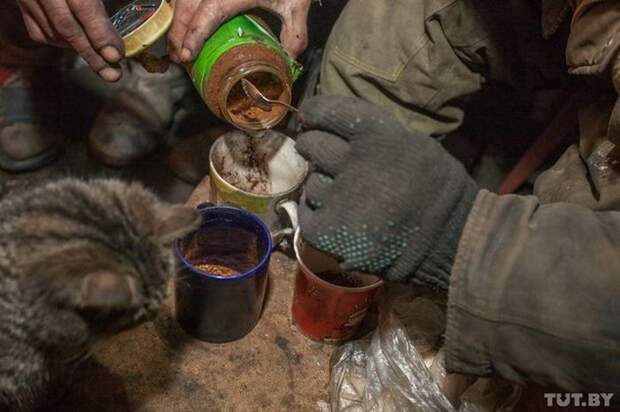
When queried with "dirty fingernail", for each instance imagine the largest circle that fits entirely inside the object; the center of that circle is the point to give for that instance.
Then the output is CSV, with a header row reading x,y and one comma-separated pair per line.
x,y
185,54
110,74
110,54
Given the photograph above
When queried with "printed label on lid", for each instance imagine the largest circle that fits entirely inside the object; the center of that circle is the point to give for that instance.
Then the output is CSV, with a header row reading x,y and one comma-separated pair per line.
x,y
133,15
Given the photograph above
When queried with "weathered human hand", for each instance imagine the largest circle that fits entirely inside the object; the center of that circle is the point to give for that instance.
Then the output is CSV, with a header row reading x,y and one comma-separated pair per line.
x,y
82,25
381,198
195,20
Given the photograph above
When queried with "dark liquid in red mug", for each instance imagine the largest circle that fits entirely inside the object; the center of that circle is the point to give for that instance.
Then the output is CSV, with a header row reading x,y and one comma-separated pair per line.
x,y
343,279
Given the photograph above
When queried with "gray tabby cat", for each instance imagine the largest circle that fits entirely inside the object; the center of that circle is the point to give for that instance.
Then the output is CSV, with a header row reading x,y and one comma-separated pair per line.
x,y
78,260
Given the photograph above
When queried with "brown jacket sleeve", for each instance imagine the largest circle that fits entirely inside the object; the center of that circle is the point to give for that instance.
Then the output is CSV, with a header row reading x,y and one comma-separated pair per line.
x,y
594,40
535,289
535,294
593,48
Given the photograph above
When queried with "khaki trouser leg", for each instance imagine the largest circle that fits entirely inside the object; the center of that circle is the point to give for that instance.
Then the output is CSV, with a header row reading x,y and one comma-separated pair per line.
x,y
419,58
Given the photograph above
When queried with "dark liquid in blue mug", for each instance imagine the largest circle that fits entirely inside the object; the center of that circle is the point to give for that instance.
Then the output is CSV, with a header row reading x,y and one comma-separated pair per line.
x,y
222,279
222,251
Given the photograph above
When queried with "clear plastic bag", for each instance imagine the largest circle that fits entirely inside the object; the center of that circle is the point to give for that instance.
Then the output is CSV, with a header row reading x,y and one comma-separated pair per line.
x,y
601,158
400,367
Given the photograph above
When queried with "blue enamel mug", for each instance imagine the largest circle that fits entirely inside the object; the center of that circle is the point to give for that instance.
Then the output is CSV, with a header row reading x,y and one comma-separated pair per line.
x,y
211,304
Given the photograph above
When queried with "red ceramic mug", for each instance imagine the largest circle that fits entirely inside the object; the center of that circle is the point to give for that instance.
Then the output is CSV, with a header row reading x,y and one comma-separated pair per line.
x,y
327,306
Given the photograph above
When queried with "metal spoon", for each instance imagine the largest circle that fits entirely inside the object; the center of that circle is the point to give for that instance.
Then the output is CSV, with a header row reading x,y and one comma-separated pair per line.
x,y
260,99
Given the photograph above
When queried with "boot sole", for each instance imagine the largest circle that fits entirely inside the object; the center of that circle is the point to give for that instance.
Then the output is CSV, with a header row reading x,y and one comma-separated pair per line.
x,y
27,165
115,162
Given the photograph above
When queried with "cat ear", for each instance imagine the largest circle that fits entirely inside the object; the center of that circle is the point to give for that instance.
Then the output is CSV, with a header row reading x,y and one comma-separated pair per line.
x,y
107,290
175,221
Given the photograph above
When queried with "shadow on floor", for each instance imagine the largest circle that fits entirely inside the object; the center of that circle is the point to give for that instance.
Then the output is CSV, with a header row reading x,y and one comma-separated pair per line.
x,y
93,385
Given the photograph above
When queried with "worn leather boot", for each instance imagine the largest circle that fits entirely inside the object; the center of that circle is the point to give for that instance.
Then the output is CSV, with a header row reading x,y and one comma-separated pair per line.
x,y
189,158
134,121
27,141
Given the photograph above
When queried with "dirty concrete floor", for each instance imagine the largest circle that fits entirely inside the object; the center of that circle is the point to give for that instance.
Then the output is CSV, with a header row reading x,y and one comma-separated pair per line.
x,y
157,367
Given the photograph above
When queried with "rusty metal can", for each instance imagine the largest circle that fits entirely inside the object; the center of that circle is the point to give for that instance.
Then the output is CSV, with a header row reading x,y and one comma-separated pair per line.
x,y
244,47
